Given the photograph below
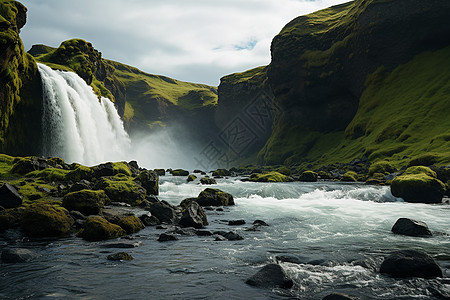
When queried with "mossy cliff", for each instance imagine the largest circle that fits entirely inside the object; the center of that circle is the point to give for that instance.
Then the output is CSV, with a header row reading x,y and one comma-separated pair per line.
x,y
20,85
365,78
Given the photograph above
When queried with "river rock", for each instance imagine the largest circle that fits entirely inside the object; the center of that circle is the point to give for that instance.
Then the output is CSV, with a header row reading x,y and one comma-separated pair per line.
x,y
410,263
17,255
260,223
236,222
193,216
290,258
160,172
308,176
214,197
97,228
149,220
339,296
9,197
114,214
120,256
191,178
164,212
208,180
164,237
123,245
221,173
131,224
233,236
418,188
271,276
149,180
180,172
87,202
410,227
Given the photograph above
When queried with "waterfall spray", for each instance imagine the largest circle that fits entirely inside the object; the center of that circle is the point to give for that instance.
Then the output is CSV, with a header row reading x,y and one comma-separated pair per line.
x,y
77,125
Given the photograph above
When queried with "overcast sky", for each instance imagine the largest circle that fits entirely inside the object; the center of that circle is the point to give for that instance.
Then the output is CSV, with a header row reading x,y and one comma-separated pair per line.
x,y
190,40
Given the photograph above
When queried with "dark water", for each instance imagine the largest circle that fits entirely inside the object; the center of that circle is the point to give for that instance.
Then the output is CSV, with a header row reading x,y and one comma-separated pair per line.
x,y
339,232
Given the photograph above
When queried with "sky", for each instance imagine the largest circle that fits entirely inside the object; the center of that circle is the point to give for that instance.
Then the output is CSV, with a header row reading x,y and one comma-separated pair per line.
x,y
190,40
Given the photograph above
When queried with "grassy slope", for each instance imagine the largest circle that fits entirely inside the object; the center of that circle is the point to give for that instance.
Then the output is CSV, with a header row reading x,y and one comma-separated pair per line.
x,y
402,113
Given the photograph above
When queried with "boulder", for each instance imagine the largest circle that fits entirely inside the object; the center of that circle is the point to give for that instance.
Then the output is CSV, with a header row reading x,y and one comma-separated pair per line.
x,y
214,197
164,237
9,197
271,276
80,185
113,214
9,218
45,219
208,180
193,216
349,177
121,188
17,255
410,227
338,296
149,180
270,177
24,165
418,188
410,263
131,224
308,176
180,172
87,202
236,222
164,212
149,220
191,178
232,236
221,173
160,172
123,245
260,223
290,258
97,228
120,256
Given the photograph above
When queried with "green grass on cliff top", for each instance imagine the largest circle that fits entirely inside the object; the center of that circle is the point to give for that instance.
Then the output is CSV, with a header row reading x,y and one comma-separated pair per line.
x,y
401,115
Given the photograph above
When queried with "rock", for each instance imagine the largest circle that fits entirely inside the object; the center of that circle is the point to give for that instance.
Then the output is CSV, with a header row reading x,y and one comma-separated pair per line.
x,y
418,188
123,245
197,171
134,168
164,237
87,202
10,218
308,176
122,188
193,216
149,180
410,227
214,197
131,224
271,276
410,263
236,222
80,185
120,256
180,172
221,173
45,219
203,233
97,228
270,177
113,214
24,165
260,223
165,213
338,296
208,180
9,197
77,215
149,220
160,172
290,258
349,177
191,178
324,175
232,236
220,238
106,169
17,255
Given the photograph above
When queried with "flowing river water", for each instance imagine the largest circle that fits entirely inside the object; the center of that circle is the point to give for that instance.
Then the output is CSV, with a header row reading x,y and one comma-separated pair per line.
x,y
340,234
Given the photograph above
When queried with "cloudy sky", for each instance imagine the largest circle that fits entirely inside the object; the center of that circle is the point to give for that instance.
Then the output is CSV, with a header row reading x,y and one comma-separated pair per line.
x,y
190,40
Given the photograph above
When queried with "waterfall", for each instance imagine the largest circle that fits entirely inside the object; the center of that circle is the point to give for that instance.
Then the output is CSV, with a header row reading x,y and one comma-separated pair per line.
x,y
77,125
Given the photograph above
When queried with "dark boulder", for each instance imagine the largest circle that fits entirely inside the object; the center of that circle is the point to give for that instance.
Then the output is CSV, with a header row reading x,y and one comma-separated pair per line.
x,y
271,276
410,263
160,172
338,296
179,172
17,255
106,169
87,202
149,180
191,178
290,258
418,188
164,237
149,220
214,197
120,256
410,227
232,236
80,185
221,173
308,176
193,216
131,224
260,223
236,222
164,212
97,228
9,197
9,218
208,180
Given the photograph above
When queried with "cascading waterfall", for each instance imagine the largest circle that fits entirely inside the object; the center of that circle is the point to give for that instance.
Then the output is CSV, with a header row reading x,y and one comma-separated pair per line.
x,y
77,126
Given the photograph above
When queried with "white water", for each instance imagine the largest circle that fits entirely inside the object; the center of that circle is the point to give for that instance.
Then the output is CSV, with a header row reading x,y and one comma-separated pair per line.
x,y
78,126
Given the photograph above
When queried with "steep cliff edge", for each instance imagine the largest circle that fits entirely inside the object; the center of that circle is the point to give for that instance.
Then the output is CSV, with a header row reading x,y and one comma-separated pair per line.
x,y
354,80
20,86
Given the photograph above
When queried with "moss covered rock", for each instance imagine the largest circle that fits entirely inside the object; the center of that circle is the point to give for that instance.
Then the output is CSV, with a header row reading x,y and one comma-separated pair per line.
x,y
87,202
45,219
221,173
149,180
191,178
121,188
80,172
214,197
9,218
131,224
350,177
179,172
420,170
207,180
418,188
270,177
97,228
383,167
120,256
308,176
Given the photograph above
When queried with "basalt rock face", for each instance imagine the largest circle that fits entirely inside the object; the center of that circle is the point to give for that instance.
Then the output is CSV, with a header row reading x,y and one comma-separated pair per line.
x,y
320,61
20,86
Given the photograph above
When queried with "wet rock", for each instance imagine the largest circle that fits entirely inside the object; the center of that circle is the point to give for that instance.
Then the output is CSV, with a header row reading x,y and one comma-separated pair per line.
x,y
203,233
191,178
290,258
113,214
149,180
193,216
9,218
233,236
97,229
80,185
214,197
131,224
180,172
308,176
120,256
164,212
208,180
9,197
106,169
339,296
77,215
271,276
160,172
236,222
164,237
220,238
17,255
221,173
149,220
197,171
123,245
410,263
260,223
411,227
44,219
87,202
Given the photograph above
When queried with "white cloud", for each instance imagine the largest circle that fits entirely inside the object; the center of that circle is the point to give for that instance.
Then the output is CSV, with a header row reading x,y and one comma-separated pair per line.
x,y
191,40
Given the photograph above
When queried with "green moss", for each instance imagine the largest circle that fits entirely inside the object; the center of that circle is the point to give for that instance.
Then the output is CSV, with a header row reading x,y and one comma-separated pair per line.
x,y
284,170
6,163
383,167
426,159
80,172
180,172
270,177
191,178
221,172
131,224
420,170
87,202
50,174
121,188
97,229
42,219
418,188
121,168
9,218
350,177
32,189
